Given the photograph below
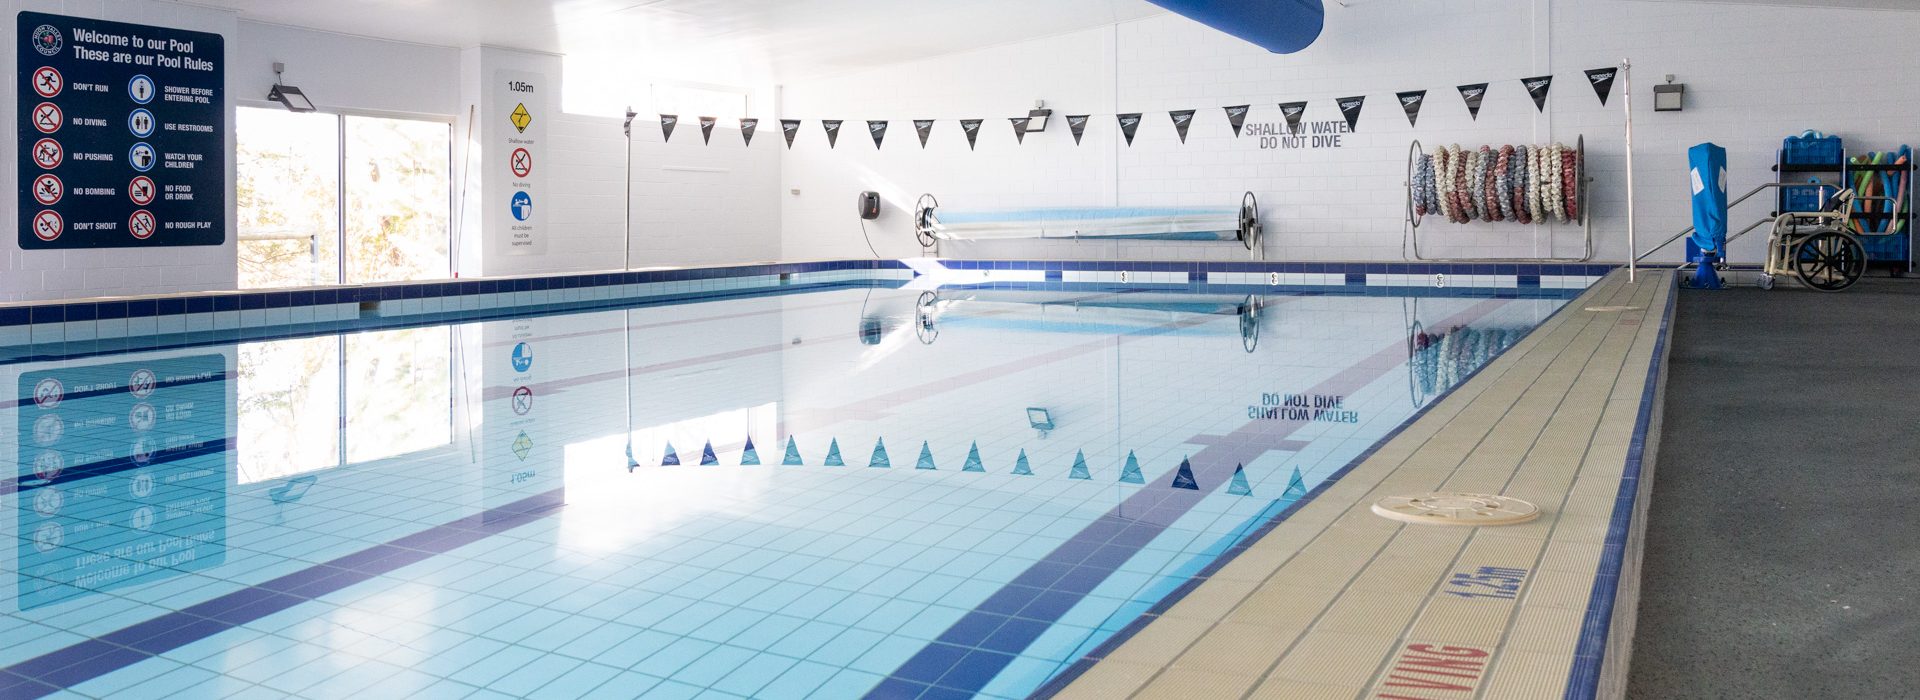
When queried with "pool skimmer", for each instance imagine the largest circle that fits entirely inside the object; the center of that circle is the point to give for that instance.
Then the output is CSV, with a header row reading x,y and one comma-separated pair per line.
x,y
1459,509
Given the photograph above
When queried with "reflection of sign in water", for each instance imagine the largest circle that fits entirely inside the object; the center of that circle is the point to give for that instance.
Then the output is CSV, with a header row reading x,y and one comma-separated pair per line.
x,y
141,383
522,357
522,445
48,430
112,507
48,393
522,400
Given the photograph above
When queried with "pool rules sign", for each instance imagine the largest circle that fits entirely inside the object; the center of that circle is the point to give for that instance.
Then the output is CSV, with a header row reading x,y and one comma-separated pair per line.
x,y
519,126
122,134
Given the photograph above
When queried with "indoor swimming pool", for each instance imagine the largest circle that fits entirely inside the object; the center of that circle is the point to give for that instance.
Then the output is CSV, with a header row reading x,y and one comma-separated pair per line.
x,y
845,490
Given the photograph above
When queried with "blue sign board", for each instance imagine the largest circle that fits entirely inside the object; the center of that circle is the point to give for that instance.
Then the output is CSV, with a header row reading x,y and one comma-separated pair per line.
x,y
122,134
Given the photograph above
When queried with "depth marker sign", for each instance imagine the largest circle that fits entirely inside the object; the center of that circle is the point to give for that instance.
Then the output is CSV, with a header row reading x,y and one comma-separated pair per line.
x,y
104,108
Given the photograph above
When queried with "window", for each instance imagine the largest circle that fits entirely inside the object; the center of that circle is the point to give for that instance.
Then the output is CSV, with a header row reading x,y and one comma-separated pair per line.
x,y
725,105
330,199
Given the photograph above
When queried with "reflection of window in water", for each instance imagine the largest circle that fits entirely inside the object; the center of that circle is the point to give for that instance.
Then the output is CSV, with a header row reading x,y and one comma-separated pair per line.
x,y
392,389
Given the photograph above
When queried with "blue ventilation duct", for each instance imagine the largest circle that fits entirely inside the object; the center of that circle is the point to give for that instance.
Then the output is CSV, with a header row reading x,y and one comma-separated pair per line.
x,y
1280,26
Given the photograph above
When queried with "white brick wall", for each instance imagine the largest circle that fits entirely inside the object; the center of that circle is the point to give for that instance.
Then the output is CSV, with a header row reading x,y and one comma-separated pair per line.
x,y
1751,80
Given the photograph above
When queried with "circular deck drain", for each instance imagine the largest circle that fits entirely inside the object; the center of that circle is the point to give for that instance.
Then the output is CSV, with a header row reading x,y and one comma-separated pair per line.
x,y
1465,509
1604,309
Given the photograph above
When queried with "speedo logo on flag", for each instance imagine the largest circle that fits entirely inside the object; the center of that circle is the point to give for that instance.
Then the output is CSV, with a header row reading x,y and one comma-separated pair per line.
x,y
1470,94
1535,84
1410,99
1350,104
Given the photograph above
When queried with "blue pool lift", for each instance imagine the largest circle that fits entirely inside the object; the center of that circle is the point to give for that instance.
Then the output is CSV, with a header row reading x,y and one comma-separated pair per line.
x,y
1707,247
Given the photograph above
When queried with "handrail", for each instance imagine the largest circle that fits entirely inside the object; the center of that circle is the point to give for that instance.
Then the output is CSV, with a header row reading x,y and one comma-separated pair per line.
x,y
1749,195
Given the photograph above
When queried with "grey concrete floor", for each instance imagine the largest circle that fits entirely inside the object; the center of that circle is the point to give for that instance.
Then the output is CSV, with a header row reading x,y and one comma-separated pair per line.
x,y
1783,546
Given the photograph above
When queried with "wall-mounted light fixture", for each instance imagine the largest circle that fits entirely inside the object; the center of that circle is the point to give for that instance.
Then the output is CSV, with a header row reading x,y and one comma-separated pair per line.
x,y
1671,97
1037,119
288,95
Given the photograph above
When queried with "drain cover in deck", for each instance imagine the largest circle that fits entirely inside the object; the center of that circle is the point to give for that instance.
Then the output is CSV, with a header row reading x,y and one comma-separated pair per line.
x,y
1465,509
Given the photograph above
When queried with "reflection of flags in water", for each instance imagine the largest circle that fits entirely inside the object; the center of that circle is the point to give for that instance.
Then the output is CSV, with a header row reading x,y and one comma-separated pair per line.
x,y
1442,360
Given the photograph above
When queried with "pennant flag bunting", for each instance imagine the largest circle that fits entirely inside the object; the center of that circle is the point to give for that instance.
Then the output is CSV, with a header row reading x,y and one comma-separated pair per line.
x,y
1077,124
1602,79
833,131
879,459
1296,487
878,129
972,129
1237,117
793,454
1473,94
1080,466
923,127
706,129
1293,111
789,128
1020,466
1020,128
746,129
667,122
926,457
1129,123
750,456
1182,119
1537,88
1350,108
1411,101
833,454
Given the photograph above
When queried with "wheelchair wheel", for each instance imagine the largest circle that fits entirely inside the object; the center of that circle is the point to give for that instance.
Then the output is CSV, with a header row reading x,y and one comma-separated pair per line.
x,y
1829,261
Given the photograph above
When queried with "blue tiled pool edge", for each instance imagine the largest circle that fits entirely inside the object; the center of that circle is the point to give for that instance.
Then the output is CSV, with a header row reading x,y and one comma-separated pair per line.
x,y
1060,681
1590,653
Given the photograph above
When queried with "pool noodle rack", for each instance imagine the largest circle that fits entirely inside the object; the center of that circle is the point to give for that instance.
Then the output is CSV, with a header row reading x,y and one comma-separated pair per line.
x,y
1410,230
1898,245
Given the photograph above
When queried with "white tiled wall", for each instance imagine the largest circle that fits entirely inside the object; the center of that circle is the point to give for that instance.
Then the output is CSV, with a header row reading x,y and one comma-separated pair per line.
x,y
1754,74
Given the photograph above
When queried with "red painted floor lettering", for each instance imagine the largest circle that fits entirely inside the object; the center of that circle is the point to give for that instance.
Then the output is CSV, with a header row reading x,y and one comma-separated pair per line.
x,y
1436,667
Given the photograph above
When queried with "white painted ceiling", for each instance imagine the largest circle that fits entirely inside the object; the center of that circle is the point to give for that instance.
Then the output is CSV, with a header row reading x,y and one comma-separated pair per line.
x,y
794,37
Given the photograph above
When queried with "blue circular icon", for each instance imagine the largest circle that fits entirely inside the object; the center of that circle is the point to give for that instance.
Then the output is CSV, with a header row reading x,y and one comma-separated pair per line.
x,y
522,357
142,157
141,89
522,206
141,123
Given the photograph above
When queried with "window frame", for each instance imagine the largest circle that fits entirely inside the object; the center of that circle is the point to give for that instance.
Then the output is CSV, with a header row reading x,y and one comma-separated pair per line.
x,y
340,115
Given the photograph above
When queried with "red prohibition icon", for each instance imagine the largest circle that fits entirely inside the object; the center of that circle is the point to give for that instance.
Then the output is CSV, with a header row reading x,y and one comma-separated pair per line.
x,y
142,224
47,117
47,225
47,82
141,190
48,154
522,162
47,190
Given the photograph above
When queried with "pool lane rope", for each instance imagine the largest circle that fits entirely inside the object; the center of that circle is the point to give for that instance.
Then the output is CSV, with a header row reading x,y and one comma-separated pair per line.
x,y
1529,184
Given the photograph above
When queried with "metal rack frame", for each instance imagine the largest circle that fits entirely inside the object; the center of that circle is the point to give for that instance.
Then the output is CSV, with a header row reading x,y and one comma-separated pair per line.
x,y
1410,226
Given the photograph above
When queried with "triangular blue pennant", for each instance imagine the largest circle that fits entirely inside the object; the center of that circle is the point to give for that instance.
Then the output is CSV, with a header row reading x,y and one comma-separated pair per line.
x,y
833,454
1020,467
1184,479
1079,466
926,457
631,462
793,454
1239,485
1296,487
750,456
707,458
879,460
672,458
973,460
1130,474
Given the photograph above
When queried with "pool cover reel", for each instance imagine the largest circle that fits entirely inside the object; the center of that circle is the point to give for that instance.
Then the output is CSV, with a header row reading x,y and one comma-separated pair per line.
x,y
1528,184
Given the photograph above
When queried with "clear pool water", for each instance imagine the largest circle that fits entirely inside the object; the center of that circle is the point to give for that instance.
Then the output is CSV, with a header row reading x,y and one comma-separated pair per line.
x,y
856,491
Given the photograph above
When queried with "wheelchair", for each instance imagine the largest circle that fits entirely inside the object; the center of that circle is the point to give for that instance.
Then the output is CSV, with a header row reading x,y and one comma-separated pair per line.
x,y
1819,248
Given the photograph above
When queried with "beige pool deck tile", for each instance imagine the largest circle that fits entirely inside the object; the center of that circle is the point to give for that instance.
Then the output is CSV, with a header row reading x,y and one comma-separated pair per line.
x,y
1337,602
